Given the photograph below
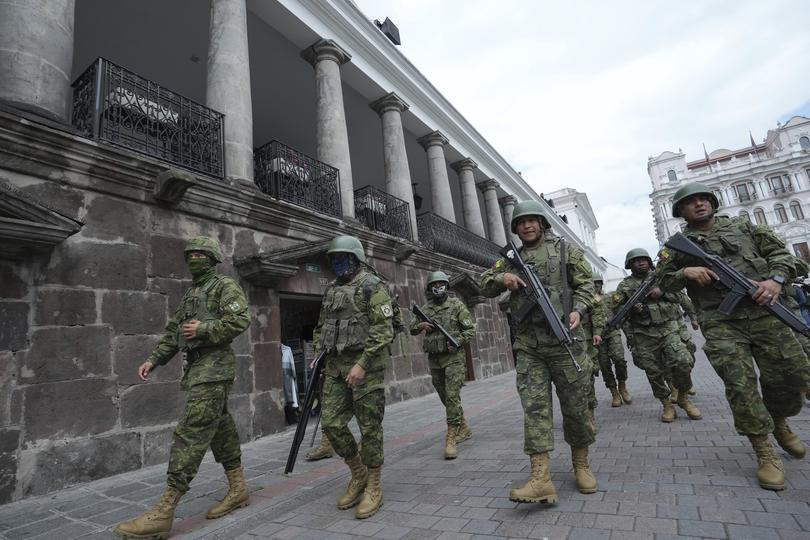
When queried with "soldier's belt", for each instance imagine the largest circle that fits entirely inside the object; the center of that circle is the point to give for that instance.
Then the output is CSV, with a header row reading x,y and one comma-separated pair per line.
x,y
195,354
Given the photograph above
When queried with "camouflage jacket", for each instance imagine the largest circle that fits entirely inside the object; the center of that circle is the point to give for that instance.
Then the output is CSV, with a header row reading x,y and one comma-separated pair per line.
x,y
226,316
454,316
658,314
355,323
601,314
754,250
545,259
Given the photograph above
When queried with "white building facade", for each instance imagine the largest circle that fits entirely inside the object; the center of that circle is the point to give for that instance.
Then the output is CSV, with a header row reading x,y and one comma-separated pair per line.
x,y
767,183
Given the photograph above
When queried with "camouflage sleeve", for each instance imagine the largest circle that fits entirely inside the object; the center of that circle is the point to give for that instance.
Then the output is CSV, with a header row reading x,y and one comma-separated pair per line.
x,y
773,250
670,274
492,280
800,267
599,317
687,305
381,330
580,275
316,333
414,326
465,323
167,346
234,315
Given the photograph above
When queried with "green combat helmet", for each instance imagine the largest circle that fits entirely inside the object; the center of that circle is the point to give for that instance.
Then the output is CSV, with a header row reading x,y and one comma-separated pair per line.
x,y
347,244
204,244
687,190
437,276
529,208
636,253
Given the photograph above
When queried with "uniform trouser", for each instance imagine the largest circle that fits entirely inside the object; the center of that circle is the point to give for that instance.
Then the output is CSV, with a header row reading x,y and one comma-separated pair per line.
x,y
733,347
687,340
447,381
593,367
611,353
536,370
205,423
663,356
366,403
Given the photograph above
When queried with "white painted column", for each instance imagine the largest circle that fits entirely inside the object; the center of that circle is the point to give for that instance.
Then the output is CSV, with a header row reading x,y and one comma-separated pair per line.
x,y
469,196
494,216
332,136
441,197
36,55
228,84
397,172
508,204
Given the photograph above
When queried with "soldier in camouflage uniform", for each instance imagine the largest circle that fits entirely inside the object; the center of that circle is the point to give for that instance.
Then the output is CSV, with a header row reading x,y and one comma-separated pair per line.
x,y
539,358
355,329
652,329
686,337
610,350
212,313
749,334
447,368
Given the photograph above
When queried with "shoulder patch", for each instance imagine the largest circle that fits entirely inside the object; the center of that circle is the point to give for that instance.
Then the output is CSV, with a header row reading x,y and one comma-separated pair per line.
x,y
235,307
387,311
499,263
617,297
664,254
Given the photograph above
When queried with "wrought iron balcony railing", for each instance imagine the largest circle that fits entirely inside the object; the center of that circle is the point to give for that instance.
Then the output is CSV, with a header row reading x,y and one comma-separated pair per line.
x,y
438,234
380,211
287,174
115,105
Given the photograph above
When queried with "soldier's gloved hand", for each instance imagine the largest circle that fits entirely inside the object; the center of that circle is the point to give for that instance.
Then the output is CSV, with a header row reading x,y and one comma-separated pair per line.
x,y
513,282
356,375
573,320
190,329
701,274
425,327
144,370
597,340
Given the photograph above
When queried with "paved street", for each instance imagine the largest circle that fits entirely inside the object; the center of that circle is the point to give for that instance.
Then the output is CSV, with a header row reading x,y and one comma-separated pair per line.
x,y
656,481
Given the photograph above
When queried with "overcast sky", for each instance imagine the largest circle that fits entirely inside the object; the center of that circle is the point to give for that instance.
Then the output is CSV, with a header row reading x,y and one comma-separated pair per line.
x,y
578,94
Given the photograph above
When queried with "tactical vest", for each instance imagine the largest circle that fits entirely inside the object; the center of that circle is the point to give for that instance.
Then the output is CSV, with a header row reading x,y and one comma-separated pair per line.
x,y
444,314
545,260
657,311
346,324
195,306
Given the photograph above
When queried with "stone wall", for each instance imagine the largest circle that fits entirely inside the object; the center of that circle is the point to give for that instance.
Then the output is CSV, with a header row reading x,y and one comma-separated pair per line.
x,y
75,322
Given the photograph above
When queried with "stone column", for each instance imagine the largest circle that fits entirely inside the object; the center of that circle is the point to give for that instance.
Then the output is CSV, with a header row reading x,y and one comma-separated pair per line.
x,y
36,55
469,196
508,204
228,84
397,173
441,197
331,135
494,216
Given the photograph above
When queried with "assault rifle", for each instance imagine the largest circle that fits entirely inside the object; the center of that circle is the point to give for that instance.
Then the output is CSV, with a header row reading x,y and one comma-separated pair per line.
x,y
738,285
309,400
536,296
424,317
638,296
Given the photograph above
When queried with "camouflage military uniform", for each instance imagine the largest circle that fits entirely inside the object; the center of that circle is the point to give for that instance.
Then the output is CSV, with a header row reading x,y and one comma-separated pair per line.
x,y
447,369
539,358
683,330
611,352
355,327
656,342
734,342
592,324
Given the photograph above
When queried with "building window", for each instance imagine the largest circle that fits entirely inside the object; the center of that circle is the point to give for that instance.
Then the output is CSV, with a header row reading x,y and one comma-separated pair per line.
x,y
796,210
719,194
781,214
804,142
801,250
672,176
780,184
745,192
759,216
743,214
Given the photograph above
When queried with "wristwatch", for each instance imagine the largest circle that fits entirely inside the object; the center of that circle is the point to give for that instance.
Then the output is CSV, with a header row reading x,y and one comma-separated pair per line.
x,y
779,279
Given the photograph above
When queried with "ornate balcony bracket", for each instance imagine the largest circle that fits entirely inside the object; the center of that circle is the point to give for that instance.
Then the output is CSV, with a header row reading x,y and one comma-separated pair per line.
x,y
467,288
265,269
28,227
171,185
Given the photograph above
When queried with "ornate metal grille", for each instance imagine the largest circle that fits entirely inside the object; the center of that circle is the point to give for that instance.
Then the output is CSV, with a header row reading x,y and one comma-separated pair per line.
x,y
438,234
113,104
380,211
287,174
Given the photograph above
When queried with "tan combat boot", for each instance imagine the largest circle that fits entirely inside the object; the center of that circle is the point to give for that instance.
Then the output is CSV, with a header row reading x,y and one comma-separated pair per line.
x,y
238,495
617,398
674,395
770,471
788,440
692,391
450,451
624,393
668,415
691,411
157,522
322,451
586,481
539,488
464,432
357,484
372,496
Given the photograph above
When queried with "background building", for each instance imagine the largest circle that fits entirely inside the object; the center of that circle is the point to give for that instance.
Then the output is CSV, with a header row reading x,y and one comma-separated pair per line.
x,y
766,183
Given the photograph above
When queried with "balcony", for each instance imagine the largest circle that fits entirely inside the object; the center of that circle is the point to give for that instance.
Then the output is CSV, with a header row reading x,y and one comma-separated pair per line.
x,y
784,189
382,212
442,236
287,174
116,106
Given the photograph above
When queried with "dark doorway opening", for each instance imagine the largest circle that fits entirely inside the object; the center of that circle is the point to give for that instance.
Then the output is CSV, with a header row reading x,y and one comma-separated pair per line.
x,y
299,316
